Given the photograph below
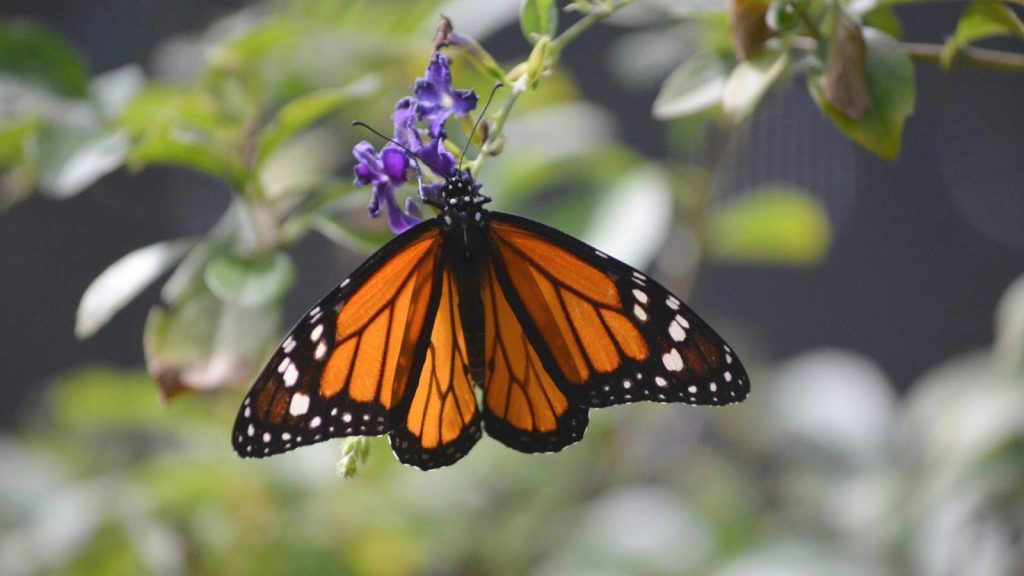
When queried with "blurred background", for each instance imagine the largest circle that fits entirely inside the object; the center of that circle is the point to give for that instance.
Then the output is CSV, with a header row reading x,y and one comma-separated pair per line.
x,y
878,305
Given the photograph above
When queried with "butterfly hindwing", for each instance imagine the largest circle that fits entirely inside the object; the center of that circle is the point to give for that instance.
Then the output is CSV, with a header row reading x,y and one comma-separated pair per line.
x,y
440,422
613,334
344,369
523,406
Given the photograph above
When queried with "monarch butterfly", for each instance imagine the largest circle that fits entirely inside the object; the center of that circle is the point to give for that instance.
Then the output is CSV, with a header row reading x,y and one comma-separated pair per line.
x,y
544,325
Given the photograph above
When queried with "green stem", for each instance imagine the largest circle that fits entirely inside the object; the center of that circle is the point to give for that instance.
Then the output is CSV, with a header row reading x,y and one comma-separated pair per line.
x,y
517,76
974,56
581,25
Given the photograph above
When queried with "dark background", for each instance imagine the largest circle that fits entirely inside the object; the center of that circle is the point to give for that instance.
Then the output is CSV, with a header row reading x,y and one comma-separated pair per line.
x,y
923,247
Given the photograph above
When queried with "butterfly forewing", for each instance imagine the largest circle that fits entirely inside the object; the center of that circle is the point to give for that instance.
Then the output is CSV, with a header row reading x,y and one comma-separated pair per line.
x,y
346,366
613,334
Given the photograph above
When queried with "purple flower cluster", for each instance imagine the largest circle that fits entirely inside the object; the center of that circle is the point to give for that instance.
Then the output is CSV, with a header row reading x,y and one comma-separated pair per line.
x,y
434,101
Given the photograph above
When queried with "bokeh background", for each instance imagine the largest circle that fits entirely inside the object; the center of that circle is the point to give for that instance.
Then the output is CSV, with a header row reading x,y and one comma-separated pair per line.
x,y
883,436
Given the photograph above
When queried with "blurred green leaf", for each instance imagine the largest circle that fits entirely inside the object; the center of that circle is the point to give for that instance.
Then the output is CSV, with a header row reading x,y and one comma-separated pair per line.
x,y
197,153
359,241
771,225
14,134
66,169
782,16
843,83
250,280
695,86
114,90
34,53
889,75
203,343
1009,326
538,18
96,398
981,19
883,18
750,80
122,281
301,113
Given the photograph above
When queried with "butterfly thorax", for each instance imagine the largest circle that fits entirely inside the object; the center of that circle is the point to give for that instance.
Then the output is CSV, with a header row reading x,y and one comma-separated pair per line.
x,y
462,204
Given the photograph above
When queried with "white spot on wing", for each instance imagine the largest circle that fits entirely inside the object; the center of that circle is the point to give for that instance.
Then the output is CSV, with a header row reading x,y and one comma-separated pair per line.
x,y
321,350
317,332
285,362
251,431
315,422
266,437
299,404
673,361
692,389
672,302
344,283
660,381
675,330
289,345
640,295
640,313
291,375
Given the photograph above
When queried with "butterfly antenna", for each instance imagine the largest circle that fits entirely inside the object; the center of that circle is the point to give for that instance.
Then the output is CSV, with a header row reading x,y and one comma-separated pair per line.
x,y
478,121
362,124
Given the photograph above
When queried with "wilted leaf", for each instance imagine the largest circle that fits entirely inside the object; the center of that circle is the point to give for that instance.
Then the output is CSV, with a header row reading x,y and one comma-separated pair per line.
x,y
696,85
750,81
123,281
538,18
981,19
889,76
252,280
772,225
843,84
748,26
34,53
203,343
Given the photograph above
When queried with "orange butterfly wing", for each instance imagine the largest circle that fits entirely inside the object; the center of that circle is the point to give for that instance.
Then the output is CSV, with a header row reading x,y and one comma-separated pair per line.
x,y
523,406
441,422
611,334
346,367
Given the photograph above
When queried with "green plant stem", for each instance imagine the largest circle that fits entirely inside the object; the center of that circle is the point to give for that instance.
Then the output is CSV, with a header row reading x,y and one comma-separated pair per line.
x,y
973,56
986,58
581,25
515,76
812,28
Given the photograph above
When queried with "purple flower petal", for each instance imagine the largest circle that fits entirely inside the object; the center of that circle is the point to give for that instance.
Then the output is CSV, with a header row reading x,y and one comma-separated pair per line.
x,y
436,100
404,119
394,163
436,157
398,221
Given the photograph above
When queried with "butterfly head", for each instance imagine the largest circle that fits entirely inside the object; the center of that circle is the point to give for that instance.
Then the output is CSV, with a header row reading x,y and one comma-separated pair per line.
x,y
461,200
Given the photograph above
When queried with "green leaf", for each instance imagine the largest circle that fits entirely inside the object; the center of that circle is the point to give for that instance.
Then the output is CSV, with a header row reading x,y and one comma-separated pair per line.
x,y
183,149
71,165
34,53
695,86
301,113
14,134
782,15
538,18
750,81
251,280
889,76
122,281
981,19
203,343
772,225
1009,341
360,241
